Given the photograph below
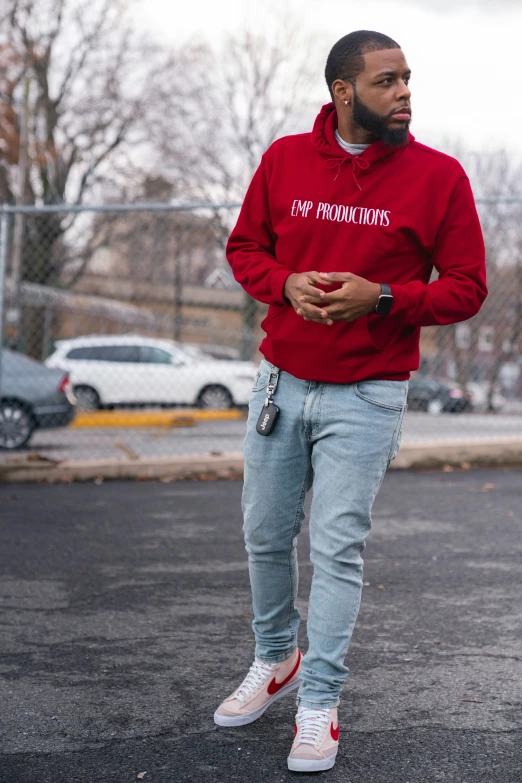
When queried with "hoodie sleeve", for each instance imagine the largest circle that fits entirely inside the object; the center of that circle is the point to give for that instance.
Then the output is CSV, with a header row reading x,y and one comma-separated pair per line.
x,y
459,257
251,246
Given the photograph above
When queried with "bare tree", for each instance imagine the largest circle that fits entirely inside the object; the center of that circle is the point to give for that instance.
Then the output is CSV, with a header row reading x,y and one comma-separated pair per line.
x,y
234,103
91,82
90,90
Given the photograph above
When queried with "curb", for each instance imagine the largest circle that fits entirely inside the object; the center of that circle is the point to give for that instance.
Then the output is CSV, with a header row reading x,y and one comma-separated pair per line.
x,y
479,452
130,419
204,466
426,455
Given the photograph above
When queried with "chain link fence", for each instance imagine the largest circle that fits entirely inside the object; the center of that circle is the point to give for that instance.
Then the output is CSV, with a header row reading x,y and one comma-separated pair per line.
x,y
124,334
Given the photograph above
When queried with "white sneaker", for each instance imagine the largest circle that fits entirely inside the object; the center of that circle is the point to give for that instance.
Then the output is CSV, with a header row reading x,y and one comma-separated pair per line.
x,y
316,740
263,685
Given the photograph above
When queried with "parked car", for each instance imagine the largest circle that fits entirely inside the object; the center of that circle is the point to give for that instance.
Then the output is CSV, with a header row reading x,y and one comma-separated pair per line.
x,y
130,369
434,396
31,397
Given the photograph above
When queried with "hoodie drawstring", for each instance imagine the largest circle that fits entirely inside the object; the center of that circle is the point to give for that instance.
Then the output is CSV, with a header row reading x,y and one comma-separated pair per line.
x,y
357,163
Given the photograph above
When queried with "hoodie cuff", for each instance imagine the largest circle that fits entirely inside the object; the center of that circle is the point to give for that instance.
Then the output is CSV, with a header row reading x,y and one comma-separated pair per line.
x,y
400,300
278,279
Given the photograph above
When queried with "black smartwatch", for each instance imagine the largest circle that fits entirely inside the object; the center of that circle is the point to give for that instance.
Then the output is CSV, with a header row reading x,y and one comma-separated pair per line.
x,y
385,303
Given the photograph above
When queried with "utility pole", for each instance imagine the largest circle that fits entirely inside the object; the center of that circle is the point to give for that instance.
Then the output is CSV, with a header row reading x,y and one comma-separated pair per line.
x,y
179,261
178,299
13,315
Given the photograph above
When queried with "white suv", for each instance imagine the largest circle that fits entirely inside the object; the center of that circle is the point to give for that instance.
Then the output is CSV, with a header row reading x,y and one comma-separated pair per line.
x,y
129,369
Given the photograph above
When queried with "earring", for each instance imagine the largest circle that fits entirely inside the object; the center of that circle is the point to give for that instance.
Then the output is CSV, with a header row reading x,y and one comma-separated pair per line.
x,y
346,103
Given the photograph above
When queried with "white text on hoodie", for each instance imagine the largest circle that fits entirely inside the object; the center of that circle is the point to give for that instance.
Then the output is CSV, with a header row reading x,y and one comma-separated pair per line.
x,y
340,213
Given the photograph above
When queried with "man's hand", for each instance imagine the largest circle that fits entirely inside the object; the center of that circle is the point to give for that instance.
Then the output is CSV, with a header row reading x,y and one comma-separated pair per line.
x,y
301,290
356,297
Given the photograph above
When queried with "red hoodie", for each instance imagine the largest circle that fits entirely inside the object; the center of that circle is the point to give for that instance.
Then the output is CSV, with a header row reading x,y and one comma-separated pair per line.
x,y
389,215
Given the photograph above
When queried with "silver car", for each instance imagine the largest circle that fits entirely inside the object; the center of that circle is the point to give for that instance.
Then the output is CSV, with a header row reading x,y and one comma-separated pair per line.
x,y
31,397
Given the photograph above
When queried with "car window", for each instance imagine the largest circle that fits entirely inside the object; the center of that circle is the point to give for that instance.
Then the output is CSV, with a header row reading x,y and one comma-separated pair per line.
x,y
152,355
86,352
105,353
423,384
120,353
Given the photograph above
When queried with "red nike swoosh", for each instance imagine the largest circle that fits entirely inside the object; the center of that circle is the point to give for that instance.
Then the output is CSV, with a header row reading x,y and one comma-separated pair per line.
x,y
274,687
334,732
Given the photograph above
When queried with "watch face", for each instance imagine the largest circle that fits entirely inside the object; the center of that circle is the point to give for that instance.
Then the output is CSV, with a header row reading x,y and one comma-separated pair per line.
x,y
385,304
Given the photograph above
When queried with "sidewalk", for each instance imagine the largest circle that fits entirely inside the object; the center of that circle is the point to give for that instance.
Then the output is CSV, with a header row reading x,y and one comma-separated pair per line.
x,y
126,619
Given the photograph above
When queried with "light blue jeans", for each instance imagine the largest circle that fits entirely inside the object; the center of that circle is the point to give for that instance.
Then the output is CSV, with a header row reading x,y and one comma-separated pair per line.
x,y
341,438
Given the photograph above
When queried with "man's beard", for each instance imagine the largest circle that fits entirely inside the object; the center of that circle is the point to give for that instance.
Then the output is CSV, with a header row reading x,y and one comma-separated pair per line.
x,y
376,124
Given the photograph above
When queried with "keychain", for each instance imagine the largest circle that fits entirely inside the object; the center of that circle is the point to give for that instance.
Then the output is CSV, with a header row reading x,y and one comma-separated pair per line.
x,y
270,412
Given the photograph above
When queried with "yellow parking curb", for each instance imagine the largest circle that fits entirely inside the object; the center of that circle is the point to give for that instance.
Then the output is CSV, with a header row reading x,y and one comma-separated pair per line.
x,y
129,419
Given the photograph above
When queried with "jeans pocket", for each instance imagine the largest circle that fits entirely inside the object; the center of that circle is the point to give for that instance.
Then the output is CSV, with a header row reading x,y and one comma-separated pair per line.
x,y
263,375
384,394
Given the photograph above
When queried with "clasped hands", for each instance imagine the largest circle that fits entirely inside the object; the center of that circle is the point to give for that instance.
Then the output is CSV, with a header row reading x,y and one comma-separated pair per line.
x,y
356,297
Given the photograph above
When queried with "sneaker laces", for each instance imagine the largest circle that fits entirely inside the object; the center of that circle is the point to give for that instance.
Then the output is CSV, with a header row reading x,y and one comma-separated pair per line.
x,y
257,676
311,723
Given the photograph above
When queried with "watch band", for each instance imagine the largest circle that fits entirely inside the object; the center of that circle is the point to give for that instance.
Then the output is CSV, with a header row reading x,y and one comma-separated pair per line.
x,y
385,303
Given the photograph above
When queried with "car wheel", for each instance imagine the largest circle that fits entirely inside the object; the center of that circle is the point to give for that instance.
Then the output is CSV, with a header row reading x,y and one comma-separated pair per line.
x,y
461,406
16,425
87,398
216,397
455,406
435,407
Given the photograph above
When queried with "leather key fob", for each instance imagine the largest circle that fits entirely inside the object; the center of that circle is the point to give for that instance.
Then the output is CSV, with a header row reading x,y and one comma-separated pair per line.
x,y
268,419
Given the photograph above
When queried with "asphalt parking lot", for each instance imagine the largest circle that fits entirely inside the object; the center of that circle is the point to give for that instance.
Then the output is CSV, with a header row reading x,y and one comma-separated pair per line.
x,y
125,620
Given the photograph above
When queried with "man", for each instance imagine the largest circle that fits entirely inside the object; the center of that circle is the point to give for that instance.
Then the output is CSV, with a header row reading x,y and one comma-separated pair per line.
x,y
339,233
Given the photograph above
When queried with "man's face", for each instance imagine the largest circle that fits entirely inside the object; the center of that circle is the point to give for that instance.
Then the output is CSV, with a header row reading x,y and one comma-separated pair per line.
x,y
381,96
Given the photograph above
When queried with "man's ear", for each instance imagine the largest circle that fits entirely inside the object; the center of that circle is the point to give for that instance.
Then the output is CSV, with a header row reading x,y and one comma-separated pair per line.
x,y
343,91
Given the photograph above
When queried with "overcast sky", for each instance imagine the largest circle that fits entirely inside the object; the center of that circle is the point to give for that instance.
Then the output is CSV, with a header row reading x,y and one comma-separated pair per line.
x,y
464,54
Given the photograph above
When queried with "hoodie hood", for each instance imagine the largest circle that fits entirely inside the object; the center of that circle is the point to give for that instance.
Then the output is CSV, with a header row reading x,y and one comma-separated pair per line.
x,y
336,158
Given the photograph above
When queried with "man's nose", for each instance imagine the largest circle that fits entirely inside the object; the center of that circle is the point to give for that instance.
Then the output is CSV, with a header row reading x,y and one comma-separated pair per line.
x,y
403,91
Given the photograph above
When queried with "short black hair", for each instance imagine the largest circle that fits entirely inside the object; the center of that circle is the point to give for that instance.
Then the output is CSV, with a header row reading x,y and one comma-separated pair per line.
x,y
345,60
